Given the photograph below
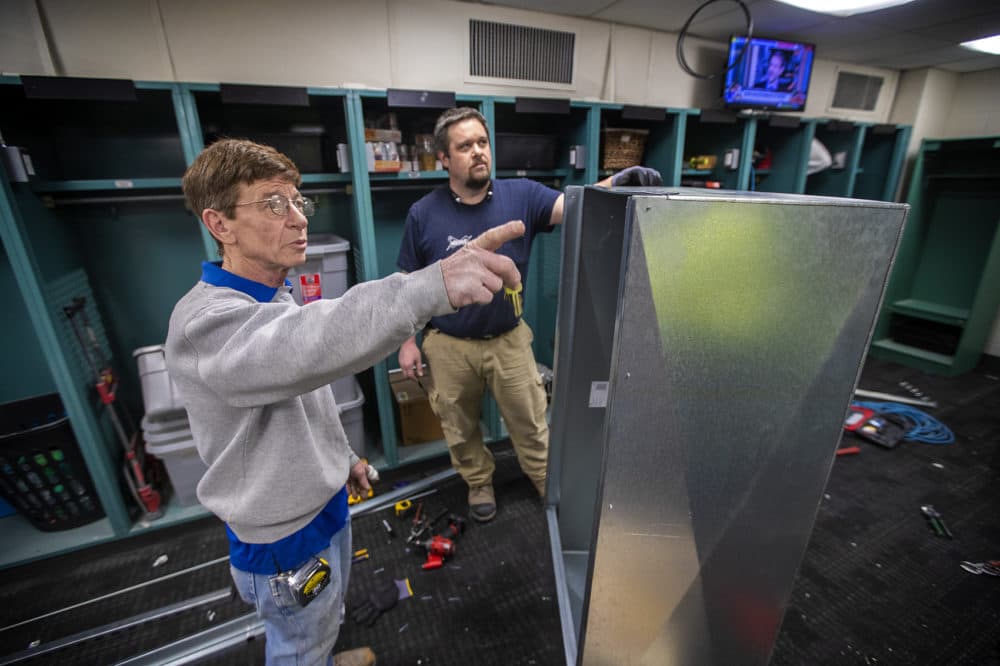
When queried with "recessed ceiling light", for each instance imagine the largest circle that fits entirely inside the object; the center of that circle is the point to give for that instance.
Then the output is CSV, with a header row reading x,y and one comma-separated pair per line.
x,y
986,44
844,7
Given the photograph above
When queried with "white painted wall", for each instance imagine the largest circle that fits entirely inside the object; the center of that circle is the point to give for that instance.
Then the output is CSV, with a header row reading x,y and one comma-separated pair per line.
x,y
23,47
924,100
975,105
104,38
308,42
419,44
429,47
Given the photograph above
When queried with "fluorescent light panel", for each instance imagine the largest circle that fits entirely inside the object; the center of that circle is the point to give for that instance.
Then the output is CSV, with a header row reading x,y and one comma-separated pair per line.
x,y
844,7
986,44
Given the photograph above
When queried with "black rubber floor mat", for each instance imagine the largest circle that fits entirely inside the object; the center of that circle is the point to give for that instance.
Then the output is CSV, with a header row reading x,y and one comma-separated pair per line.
x,y
494,602
49,600
877,586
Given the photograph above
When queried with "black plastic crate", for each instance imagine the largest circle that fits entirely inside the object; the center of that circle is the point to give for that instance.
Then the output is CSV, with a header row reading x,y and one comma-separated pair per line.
x,y
930,335
42,472
525,151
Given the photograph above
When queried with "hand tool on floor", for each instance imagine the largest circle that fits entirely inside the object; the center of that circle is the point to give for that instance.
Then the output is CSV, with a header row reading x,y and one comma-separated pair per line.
x,y
456,527
849,450
989,567
360,555
403,508
438,548
442,545
106,385
936,521
419,525
434,521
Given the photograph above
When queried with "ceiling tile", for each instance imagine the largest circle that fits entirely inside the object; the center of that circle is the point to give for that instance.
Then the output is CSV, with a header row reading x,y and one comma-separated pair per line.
x,y
963,30
658,14
923,13
837,33
567,7
875,51
975,64
770,19
924,58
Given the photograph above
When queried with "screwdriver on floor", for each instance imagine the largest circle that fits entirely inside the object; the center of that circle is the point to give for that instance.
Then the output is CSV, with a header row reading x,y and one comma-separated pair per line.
x,y
936,521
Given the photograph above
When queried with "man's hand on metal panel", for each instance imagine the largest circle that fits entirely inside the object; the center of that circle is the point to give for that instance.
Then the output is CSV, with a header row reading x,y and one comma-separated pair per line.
x,y
636,175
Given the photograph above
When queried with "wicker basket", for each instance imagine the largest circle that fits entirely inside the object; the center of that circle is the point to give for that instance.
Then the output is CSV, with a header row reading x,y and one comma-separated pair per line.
x,y
622,147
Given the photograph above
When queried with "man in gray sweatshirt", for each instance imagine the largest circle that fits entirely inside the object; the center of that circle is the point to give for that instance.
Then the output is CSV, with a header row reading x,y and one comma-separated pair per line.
x,y
252,368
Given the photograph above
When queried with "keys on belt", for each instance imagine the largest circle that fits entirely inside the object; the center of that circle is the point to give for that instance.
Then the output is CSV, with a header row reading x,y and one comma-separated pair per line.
x,y
513,296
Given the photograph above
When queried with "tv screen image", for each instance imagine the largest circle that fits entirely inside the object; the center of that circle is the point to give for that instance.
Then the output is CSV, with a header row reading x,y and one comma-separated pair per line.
x,y
772,74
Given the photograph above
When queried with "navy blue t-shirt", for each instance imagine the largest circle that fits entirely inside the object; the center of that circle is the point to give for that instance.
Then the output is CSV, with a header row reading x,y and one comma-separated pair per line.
x,y
437,225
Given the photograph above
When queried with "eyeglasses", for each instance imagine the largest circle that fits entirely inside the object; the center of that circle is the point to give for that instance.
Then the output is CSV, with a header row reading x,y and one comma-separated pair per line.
x,y
278,203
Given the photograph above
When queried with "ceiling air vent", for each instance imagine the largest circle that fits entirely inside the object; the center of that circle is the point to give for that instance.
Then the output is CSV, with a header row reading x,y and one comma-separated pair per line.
x,y
520,53
856,91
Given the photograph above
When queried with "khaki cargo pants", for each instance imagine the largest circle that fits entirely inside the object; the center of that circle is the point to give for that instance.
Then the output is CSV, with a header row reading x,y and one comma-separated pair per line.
x,y
462,369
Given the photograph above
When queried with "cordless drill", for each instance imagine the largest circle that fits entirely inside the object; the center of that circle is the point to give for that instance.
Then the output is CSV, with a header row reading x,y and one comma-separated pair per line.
x,y
443,545
438,548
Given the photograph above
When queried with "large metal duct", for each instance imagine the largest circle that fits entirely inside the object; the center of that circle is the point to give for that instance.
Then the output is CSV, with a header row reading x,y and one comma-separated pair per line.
x,y
708,345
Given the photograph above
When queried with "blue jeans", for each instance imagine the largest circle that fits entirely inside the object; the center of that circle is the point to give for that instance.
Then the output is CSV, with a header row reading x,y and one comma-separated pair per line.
x,y
294,634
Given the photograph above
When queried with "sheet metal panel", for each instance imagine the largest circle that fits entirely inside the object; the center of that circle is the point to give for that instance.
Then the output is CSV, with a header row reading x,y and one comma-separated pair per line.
x,y
742,320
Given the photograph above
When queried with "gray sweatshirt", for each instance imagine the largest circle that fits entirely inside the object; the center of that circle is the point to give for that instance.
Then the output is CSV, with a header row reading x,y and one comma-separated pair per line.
x,y
254,378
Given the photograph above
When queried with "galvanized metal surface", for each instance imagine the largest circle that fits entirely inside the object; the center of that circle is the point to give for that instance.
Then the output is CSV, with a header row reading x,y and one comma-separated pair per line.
x,y
742,321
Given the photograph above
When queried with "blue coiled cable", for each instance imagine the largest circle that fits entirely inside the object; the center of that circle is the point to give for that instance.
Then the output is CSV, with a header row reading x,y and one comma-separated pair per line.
x,y
923,427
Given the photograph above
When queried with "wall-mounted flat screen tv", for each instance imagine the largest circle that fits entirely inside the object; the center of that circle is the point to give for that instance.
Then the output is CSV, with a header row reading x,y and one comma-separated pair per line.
x,y
772,75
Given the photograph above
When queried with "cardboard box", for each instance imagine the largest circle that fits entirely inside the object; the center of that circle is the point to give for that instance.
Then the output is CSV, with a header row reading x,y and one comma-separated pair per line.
x,y
390,135
417,421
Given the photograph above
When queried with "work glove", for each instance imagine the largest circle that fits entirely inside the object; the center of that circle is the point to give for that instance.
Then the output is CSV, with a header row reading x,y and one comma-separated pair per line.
x,y
636,175
383,598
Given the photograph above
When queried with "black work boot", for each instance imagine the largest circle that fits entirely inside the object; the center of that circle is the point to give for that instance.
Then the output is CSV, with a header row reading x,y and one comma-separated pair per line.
x,y
482,503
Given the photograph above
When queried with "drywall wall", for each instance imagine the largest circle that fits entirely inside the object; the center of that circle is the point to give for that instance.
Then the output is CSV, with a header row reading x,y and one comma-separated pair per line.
x,y
420,44
429,47
924,100
310,42
23,45
975,105
103,38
